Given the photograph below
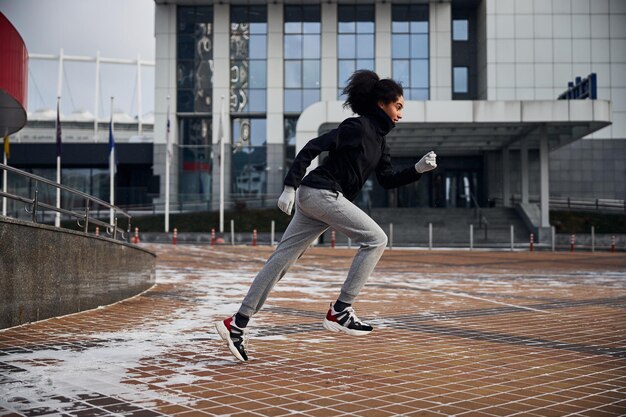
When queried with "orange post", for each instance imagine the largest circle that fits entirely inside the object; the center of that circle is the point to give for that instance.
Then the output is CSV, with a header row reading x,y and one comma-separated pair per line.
x,y
532,242
175,237
212,237
613,244
136,240
572,240
97,231
254,237
332,239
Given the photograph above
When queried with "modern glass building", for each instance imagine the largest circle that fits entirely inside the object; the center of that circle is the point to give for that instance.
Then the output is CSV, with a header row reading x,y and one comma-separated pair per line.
x,y
481,79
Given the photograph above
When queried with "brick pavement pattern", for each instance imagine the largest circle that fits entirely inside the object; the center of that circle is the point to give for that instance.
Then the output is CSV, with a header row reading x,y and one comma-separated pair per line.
x,y
455,333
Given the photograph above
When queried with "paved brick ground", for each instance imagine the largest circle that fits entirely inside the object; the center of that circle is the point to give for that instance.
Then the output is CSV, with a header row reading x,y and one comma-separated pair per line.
x,y
456,333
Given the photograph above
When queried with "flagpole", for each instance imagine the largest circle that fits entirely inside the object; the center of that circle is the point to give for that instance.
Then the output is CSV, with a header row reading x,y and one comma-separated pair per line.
x,y
168,157
111,168
222,167
57,218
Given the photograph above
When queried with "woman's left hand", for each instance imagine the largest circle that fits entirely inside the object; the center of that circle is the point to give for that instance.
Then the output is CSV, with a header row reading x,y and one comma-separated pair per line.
x,y
427,163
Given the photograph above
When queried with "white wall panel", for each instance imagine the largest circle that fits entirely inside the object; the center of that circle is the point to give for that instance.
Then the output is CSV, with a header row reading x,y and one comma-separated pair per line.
x,y
562,26
562,50
561,6
524,26
524,51
580,6
581,26
543,26
600,50
543,50
505,50
599,25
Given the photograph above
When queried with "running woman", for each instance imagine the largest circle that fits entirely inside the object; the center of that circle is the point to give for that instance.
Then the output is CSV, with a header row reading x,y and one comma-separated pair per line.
x,y
357,148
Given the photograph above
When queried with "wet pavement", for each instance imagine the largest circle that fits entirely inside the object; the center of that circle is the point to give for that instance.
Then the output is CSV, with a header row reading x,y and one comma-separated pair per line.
x,y
456,333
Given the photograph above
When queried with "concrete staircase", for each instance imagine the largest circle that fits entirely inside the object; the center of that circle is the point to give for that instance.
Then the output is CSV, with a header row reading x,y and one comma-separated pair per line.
x,y
451,227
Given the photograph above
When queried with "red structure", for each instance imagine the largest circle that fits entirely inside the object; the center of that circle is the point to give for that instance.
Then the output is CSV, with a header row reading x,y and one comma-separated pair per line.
x,y
13,79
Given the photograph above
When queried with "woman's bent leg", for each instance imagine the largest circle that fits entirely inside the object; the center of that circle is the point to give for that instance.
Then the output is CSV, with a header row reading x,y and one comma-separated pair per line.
x,y
350,220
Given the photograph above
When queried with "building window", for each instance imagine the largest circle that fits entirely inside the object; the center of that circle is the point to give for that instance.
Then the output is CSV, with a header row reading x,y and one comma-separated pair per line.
x,y
460,79
302,56
195,158
409,49
249,159
460,30
355,40
248,59
194,59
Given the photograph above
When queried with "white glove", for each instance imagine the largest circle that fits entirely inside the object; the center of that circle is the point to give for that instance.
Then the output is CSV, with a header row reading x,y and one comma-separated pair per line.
x,y
427,163
286,199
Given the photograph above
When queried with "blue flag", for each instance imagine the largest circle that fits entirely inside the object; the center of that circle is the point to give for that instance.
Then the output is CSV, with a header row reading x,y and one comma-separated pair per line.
x,y
111,139
58,132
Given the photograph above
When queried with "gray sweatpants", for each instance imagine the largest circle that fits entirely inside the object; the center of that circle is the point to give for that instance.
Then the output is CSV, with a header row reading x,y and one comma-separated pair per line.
x,y
316,211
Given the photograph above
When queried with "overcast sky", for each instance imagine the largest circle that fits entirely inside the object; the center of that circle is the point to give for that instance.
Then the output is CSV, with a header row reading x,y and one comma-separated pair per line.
x,y
116,28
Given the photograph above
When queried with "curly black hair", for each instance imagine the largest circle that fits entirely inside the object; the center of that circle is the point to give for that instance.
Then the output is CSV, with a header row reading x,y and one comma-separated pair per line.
x,y
365,89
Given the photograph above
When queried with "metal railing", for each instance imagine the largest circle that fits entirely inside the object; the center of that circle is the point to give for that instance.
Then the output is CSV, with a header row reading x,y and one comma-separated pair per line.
x,y
82,214
598,204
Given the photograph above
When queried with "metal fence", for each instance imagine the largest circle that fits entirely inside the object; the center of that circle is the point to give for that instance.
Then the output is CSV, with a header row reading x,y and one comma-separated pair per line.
x,y
83,215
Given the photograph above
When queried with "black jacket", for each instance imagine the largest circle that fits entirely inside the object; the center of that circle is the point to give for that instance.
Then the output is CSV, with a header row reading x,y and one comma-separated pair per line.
x,y
356,149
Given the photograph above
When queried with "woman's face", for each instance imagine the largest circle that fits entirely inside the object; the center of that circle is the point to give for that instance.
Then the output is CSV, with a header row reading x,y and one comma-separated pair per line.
x,y
393,108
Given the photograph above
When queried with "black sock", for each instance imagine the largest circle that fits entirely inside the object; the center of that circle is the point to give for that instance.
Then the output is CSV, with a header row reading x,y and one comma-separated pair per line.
x,y
340,306
241,321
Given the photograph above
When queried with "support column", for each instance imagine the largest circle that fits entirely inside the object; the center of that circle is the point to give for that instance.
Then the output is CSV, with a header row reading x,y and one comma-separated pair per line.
x,y
383,40
544,169
165,85
524,169
440,44
275,105
329,52
506,178
221,88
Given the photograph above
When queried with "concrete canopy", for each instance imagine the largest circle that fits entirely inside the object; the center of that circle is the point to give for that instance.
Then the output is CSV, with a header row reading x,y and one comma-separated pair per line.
x,y
472,127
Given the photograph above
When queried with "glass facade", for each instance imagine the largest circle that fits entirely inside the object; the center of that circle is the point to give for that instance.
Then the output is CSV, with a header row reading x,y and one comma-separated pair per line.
x,y
194,63
409,49
248,101
194,77
355,40
195,159
248,59
302,55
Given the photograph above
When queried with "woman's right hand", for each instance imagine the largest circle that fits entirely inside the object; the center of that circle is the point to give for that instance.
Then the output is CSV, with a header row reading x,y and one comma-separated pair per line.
x,y
287,199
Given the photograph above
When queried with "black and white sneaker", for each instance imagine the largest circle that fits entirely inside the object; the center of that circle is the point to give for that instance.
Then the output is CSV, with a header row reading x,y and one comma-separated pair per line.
x,y
345,321
236,337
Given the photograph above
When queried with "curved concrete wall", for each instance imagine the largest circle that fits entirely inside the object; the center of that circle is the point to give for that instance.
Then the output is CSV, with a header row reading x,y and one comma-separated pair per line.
x,y
47,272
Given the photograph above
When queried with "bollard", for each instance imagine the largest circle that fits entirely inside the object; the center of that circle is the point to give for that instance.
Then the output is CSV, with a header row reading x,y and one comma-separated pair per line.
x,y
175,236
272,233
593,238
97,231
212,237
136,235
572,240
254,237
430,236
613,244
512,238
532,241
471,246
332,239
